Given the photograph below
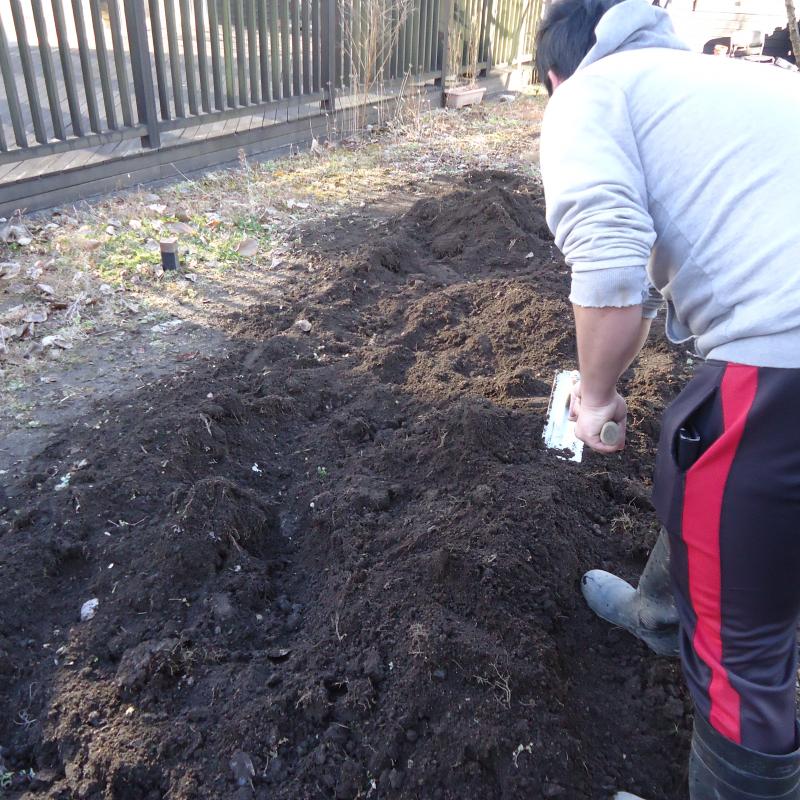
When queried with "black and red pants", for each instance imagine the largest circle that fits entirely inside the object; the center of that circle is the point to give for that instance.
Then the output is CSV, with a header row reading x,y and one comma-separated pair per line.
x,y
727,489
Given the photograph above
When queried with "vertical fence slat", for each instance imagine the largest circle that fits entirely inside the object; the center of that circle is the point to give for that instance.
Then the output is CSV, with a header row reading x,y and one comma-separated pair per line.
x,y
263,50
188,55
391,65
66,68
102,65
353,43
142,73
382,18
306,32
10,82
437,53
344,38
342,67
507,20
423,32
430,43
328,26
408,36
158,57
87,73
174,58
444,33
252,51
486,35
316,35
241,51
28,72
46,59
295,23
274,48
119,62
286,67
397,69
227,47
430,36
216,64
202,54
415,36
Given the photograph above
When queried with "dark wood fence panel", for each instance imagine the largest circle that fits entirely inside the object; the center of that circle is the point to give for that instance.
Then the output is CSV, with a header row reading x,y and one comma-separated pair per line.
x,y
77,73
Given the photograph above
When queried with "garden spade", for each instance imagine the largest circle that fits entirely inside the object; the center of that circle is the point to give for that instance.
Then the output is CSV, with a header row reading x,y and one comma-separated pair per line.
x,y
559,430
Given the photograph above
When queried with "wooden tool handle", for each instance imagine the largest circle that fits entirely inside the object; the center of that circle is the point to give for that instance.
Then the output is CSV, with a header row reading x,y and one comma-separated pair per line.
x,y
609,434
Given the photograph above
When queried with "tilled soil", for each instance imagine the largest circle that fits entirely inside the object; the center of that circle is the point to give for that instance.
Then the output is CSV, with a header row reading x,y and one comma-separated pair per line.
x,y
338,562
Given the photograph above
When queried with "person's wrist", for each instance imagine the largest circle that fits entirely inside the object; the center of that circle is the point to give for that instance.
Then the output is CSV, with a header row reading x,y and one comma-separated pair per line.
x,y
597,398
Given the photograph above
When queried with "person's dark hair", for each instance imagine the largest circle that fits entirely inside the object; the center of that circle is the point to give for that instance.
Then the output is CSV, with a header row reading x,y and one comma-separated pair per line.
x,y
566,35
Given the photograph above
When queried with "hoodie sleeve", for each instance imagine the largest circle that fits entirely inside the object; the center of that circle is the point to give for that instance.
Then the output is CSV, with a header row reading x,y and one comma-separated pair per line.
x,y
596,194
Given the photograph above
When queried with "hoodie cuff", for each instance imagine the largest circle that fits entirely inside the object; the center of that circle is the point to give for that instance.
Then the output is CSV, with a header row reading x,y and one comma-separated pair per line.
x,y
615,287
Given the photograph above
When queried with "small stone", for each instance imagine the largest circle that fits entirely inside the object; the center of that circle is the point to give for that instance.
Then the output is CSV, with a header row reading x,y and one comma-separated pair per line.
x,y
242,767
439,674
222,607
94,719
373,668
293,621
89,609
411,735
395,779
283,604
553,790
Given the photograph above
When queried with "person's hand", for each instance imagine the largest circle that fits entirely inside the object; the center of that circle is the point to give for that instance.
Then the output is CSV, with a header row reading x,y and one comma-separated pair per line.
x,y
589,419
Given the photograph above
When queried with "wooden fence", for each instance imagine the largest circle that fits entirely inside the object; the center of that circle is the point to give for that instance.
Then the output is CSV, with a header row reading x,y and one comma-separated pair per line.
x,y
80,73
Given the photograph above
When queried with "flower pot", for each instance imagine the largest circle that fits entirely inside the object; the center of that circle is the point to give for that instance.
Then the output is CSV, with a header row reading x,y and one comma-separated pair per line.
x,y
460,96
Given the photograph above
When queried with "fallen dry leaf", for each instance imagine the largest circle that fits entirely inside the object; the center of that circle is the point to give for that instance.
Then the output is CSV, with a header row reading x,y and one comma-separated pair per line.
x,y
9,270
181,229
56,341
88,244
13,233
35,315
46,288
247,247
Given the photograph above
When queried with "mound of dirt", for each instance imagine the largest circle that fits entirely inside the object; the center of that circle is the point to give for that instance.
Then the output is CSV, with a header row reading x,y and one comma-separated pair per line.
x,y
339,563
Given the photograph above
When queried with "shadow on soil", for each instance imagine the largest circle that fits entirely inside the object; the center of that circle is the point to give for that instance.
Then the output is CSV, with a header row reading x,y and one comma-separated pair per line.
x,y
338,562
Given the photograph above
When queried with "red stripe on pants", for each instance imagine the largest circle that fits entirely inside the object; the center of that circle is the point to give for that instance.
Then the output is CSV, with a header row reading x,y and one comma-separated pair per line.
x,y
702,513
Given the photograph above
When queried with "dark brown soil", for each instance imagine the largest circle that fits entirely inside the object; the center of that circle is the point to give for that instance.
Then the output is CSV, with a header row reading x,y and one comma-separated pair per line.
x,y
339,563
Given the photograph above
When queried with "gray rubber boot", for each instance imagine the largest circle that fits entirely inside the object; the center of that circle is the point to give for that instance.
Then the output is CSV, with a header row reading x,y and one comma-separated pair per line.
x,y
648,612
720,769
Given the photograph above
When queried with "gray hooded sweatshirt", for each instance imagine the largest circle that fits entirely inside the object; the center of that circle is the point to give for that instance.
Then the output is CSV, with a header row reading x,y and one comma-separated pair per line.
x,y
680,171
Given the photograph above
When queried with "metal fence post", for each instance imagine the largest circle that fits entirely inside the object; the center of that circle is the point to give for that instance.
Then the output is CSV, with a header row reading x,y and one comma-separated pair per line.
x,y
142,71
329,54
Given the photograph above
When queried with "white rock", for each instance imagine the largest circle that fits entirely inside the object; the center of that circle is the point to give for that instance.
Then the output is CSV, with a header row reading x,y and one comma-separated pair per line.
x,y
89,609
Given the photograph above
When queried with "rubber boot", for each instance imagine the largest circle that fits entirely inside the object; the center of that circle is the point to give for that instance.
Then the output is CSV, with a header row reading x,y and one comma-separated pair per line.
x,y
648,611
720,769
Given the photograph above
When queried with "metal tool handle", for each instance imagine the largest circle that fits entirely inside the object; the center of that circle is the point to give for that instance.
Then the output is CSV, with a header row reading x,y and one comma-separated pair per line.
x,y
609,433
